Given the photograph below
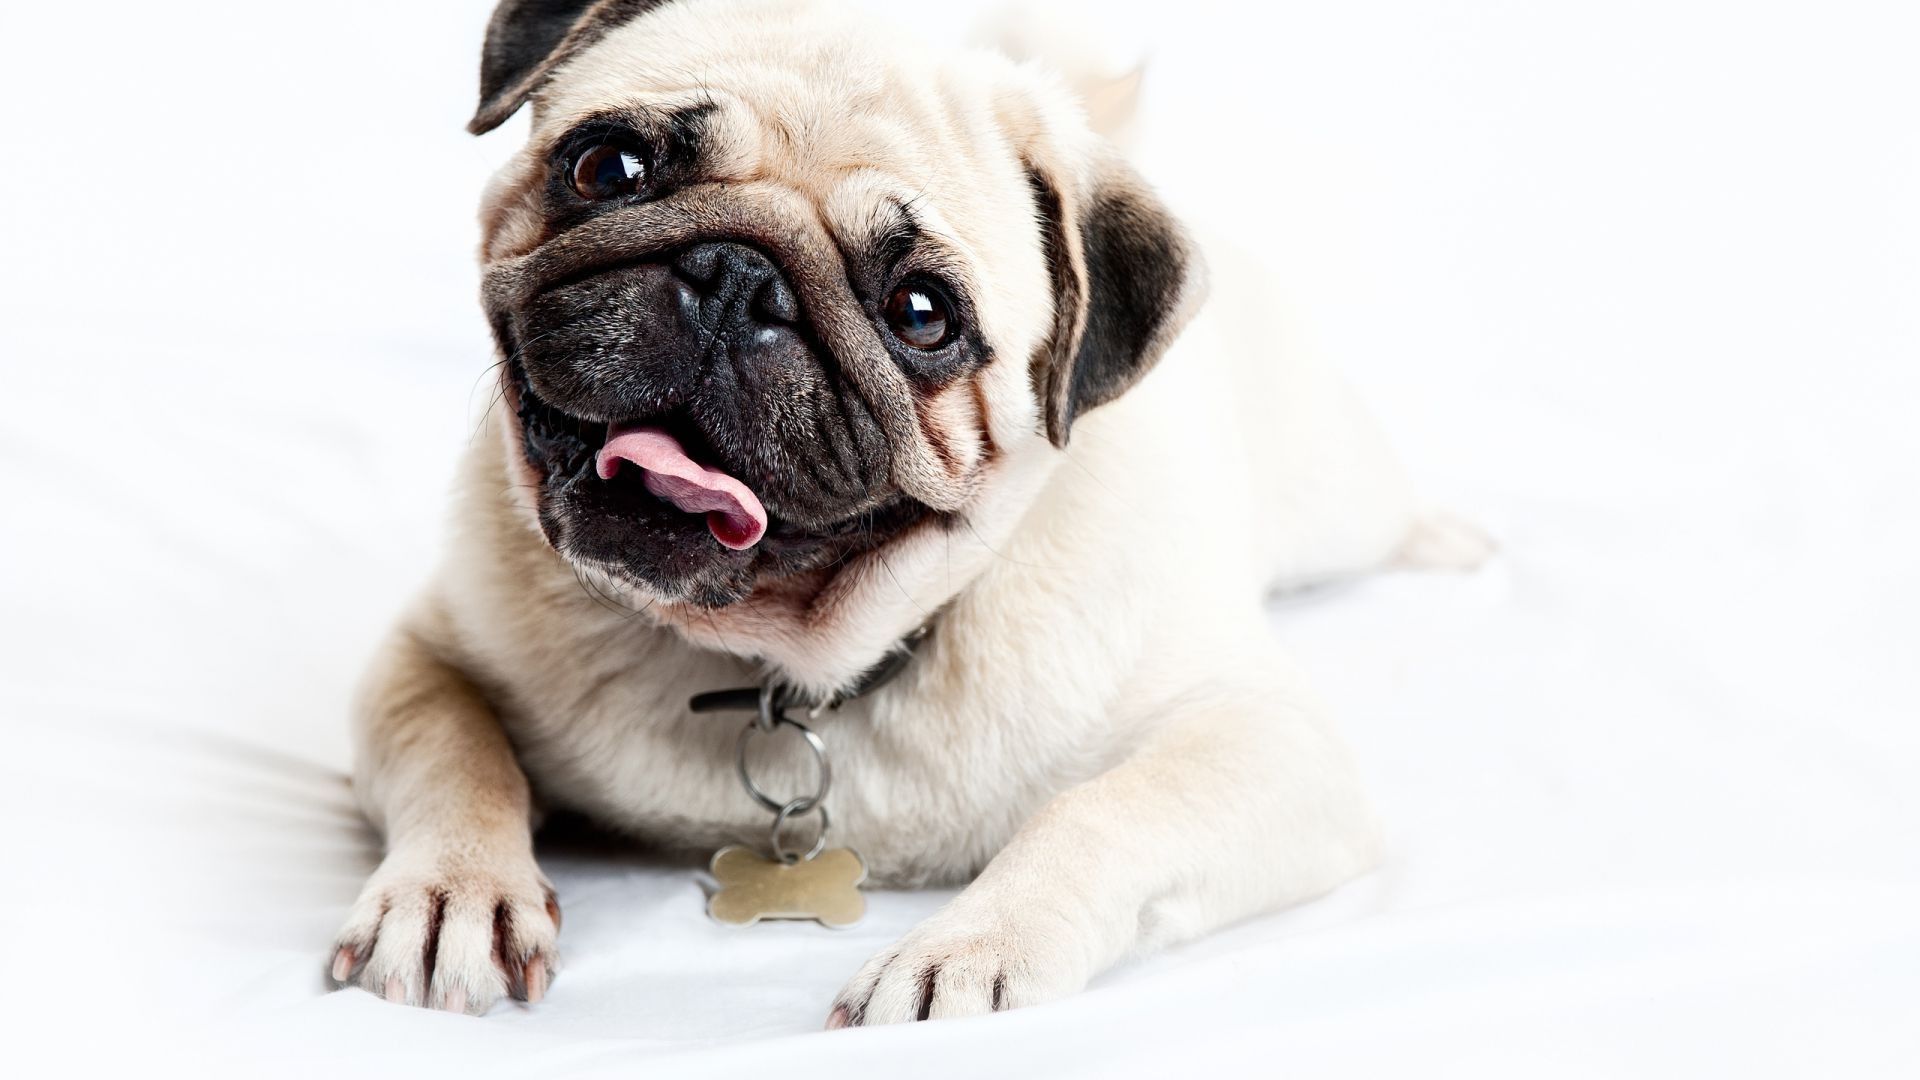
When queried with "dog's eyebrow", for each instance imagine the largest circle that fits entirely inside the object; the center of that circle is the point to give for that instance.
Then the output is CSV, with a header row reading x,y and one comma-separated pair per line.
x,y
898,237
675,131
686,125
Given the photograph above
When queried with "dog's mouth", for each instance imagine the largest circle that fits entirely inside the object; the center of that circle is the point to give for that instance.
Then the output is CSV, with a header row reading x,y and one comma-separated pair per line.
x,y
652,467
652,499
732,511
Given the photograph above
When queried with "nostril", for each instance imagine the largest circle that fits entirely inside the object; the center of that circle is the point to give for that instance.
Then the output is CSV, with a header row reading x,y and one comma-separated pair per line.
x,y
719,277
775,302
701,265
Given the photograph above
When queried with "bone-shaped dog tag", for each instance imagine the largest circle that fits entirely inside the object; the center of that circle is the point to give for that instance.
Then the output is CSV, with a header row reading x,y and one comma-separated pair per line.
x,y
825,888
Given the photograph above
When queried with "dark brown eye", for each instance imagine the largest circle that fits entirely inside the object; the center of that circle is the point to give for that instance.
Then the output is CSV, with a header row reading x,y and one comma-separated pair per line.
x,y
919,315
608,171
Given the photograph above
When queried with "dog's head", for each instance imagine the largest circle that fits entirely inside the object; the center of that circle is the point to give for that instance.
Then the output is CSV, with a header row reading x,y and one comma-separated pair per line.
x,y
778,289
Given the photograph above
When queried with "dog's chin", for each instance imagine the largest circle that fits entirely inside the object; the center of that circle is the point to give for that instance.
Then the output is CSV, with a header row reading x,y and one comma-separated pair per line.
x,y
617,527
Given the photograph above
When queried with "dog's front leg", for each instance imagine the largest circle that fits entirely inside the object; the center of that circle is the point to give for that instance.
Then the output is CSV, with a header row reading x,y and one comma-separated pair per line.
x,y
1240,804
457,914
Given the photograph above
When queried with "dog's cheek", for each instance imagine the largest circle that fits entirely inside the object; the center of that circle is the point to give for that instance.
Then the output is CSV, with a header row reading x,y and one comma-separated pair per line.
x,y
525,484
511,220
980,394
953,426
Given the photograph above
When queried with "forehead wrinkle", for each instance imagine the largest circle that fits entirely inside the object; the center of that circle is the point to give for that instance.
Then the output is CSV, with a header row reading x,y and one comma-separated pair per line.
x,y
869,146
569,102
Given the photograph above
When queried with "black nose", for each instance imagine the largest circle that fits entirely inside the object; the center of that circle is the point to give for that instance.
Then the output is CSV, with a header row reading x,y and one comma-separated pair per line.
x,y
736,282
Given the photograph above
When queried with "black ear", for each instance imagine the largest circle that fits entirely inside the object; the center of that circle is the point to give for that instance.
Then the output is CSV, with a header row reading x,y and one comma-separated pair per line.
x,y
527,39
1125,281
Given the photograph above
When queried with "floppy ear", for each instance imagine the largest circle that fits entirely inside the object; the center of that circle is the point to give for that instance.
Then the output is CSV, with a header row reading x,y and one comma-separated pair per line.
x,y
1125,281
527,39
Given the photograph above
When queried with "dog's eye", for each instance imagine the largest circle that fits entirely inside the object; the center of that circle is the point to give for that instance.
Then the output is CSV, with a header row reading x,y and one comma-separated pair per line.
x,y
608,171
920,316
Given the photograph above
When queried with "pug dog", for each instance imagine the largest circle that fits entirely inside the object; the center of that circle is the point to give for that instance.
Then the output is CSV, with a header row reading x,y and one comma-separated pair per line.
x,y
817,336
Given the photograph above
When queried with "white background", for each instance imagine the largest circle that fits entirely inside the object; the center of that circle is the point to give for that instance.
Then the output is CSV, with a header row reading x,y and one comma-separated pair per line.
x,y
1633,284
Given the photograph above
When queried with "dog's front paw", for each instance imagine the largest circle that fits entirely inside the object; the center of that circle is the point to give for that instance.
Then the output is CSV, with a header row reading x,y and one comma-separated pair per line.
x,y
451,930
958,966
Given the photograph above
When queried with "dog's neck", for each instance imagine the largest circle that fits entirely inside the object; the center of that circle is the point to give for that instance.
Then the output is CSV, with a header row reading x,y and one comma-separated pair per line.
x,y
778,696
805,630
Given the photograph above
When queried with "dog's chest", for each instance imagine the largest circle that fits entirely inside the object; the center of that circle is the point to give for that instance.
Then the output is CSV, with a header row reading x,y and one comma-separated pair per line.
x,y
929,779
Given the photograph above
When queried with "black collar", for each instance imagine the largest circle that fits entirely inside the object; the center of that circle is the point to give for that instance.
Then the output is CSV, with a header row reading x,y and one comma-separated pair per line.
x,y
748,698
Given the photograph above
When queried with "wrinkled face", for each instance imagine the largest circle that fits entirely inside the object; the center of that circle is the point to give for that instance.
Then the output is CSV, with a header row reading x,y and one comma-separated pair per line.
x,y
774,294
744,319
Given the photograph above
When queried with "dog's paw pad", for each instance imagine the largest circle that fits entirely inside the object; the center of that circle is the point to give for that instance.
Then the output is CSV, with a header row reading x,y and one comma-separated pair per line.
x,y
946,969
456,937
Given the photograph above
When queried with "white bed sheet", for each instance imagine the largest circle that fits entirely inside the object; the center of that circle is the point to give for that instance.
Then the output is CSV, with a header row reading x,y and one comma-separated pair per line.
x,y
1633,288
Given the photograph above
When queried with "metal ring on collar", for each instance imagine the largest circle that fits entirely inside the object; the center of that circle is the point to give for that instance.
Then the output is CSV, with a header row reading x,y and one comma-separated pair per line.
x,y
799,805
771,711
793,810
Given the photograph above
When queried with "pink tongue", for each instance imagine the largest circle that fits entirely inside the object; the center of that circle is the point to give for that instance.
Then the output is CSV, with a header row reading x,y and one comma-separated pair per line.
x,y
733,511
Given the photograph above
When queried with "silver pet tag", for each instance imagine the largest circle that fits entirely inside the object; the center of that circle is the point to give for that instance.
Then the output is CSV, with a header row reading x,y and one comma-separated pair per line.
x,y
753,887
